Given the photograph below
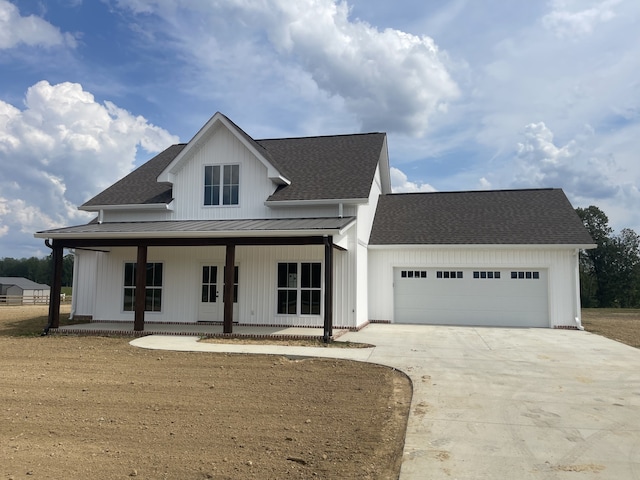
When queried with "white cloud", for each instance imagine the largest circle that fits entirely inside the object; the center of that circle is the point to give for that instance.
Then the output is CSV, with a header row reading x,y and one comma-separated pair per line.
x,y
400,183
568,22
484,184
575,166
388,79
31,30
587,175
60,150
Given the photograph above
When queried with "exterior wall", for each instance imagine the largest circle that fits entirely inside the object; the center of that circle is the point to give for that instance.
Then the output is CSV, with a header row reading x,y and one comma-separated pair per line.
x,y
561,264
85,265
257,292
14,290
136,216
358,286
307,211
361,285
367,212
221,148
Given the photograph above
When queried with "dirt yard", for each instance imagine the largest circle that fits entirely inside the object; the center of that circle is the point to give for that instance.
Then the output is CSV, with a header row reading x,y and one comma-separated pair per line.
x,y
91,407
620,324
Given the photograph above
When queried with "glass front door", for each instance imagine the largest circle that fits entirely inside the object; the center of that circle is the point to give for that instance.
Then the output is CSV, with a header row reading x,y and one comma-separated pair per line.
x,y
211,306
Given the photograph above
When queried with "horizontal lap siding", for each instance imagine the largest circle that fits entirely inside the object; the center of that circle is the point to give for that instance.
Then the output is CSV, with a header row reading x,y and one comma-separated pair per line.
x,y
560,265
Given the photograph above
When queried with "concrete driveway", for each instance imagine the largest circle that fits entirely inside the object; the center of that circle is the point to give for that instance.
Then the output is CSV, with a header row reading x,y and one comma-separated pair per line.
x,y
493,403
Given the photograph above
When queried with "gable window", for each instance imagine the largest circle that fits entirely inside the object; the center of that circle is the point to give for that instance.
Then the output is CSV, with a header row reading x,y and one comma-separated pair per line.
x,y
299,288
221,184
153,292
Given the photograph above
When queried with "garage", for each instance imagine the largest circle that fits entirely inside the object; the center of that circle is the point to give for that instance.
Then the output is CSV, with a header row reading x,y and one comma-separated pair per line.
x,y
516,297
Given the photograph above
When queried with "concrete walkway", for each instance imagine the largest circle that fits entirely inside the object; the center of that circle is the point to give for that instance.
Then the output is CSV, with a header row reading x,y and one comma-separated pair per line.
x,y
492,403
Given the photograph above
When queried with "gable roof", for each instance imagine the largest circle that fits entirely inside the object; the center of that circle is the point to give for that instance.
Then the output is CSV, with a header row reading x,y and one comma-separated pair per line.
x,y
496,217
140,187
221,121
23,283
339,167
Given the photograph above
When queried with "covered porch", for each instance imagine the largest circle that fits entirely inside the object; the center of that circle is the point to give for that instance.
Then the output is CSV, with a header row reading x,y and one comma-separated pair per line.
x,y
139,237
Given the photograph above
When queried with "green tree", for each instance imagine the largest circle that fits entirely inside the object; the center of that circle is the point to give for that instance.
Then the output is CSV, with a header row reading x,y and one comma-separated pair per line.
x,y
609,273
37,269
626,259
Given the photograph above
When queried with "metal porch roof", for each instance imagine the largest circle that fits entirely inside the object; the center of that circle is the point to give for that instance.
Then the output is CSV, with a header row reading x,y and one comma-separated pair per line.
x,y
203,228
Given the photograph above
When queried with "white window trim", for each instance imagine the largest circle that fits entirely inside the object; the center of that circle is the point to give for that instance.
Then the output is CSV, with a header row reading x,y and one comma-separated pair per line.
x,y
299,290
221,165
152,312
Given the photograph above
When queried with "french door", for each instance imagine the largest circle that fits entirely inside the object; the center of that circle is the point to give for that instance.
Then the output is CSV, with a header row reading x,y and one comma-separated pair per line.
x,y
211,304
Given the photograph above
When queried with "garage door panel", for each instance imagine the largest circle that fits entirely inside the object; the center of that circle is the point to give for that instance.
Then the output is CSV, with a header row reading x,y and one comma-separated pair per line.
x,y
504,301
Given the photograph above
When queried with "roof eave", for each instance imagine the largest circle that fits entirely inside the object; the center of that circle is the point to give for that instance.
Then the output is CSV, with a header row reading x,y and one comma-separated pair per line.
x,y
167,175
486,246
316,202
278,179
128,207
207,234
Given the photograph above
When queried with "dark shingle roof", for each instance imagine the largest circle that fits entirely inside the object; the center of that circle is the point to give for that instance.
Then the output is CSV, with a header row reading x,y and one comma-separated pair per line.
x,y
332,167
23,283
501,217
141,185
336,167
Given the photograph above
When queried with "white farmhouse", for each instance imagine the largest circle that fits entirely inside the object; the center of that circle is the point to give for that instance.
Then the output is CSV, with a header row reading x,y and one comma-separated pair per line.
x,y
306,232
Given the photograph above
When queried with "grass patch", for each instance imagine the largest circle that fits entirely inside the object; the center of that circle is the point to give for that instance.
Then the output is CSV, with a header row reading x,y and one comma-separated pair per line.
x,y
28,320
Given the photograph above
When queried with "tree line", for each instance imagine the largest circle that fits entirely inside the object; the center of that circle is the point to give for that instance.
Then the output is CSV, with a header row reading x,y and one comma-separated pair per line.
x,y
609,273
38,270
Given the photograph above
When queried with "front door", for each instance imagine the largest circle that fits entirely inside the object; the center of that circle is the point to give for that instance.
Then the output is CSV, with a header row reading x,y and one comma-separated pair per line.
x,y
211,307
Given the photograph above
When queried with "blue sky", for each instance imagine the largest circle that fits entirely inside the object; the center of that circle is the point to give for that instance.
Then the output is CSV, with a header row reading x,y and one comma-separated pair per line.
x,y
474,94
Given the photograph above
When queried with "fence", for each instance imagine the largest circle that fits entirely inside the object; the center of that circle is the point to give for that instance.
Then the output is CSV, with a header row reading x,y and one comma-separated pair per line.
x,y
8,300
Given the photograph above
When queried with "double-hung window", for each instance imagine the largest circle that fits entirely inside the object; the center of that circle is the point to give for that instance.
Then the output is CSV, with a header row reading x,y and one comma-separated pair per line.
x,y
299,288
221,184
153,291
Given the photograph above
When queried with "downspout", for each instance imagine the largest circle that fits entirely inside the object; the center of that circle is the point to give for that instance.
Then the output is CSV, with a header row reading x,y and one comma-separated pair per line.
x,y
578,311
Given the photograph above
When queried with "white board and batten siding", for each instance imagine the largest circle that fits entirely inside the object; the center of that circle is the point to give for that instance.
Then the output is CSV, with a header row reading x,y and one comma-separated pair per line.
x,y
546,301
222,148
182,283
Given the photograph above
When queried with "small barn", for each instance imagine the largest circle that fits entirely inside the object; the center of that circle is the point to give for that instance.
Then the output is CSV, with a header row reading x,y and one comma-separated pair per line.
x,y
18,290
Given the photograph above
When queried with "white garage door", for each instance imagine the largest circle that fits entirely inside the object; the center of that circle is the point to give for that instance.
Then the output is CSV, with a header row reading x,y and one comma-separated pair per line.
x,y
497,297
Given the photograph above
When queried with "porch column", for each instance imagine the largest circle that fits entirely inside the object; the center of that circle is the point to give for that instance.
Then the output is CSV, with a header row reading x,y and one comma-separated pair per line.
x,y
56,286
328,288
141,288
228,288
